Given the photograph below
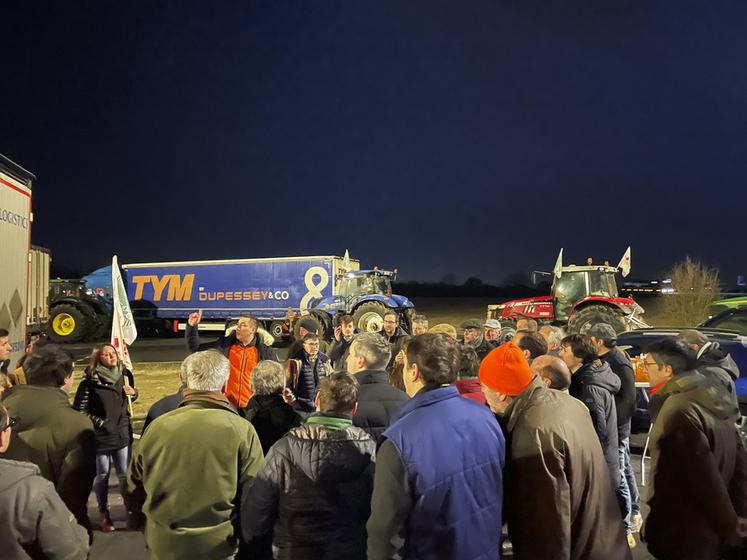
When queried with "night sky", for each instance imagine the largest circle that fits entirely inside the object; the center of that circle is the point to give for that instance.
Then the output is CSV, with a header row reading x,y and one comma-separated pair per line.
x,y
473,138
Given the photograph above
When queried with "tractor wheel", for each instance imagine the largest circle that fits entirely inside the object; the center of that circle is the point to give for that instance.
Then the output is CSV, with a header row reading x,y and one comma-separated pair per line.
x,y
582,320
101,327
67,323
276,330
327,331
369,316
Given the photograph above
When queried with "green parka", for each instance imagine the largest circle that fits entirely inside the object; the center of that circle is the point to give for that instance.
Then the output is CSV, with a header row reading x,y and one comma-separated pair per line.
x,y
187,475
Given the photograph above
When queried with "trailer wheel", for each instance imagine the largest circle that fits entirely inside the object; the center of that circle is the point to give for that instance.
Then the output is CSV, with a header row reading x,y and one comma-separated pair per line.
x,y
67,324
369,316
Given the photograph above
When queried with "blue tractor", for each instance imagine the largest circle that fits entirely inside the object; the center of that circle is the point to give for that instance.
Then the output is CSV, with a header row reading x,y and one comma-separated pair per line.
x,y
366,295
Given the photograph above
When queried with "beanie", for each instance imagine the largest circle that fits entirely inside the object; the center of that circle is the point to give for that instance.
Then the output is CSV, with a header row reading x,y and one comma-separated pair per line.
x,y
505,370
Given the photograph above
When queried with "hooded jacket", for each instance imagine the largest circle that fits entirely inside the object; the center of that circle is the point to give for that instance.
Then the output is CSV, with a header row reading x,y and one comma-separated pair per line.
x,y
57,439
714,362
188,474
107,407
698,469
560,503
396,341
595,385
34,522
315,491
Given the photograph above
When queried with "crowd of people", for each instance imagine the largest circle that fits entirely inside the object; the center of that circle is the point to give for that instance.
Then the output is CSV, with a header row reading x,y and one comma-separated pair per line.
x,y
382,445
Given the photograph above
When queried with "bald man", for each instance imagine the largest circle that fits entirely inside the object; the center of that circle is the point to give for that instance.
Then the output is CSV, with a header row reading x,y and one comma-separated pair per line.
x,y
553,371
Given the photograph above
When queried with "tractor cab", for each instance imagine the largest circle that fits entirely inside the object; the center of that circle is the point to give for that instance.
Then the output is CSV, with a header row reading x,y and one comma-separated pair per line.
x,y
577,283
361,283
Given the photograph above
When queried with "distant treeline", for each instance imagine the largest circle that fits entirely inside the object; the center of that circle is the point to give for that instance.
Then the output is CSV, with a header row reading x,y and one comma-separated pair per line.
x,y
473,287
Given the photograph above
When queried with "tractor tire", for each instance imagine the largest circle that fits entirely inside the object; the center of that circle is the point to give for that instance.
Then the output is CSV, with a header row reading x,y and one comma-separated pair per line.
x,y
101,327
369,316
276,330
582,320
68,324
405,319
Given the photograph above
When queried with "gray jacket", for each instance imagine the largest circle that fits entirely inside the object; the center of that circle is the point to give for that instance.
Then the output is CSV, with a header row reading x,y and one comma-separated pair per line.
x,y
34,523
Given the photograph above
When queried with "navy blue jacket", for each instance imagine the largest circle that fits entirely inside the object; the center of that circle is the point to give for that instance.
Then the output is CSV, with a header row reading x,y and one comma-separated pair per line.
x,y
439,493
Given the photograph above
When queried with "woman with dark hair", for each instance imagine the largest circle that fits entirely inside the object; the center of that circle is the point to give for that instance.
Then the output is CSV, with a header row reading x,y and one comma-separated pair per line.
x,y
104,395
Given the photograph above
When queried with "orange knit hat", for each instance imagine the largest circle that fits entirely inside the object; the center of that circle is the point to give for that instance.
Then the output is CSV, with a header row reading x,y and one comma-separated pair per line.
x,y
505,370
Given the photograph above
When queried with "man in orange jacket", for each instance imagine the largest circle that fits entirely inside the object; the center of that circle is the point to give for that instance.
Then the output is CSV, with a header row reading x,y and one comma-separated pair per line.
x,y
243,348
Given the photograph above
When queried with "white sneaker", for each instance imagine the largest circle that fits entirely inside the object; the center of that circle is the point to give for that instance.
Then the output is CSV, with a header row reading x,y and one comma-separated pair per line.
x,y
636,522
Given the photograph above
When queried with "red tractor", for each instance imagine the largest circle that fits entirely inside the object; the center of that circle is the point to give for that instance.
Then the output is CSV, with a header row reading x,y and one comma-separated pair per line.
x,y
581,296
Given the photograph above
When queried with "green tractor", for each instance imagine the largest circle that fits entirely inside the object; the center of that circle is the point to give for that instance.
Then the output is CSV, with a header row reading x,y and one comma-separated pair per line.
x,y
74,314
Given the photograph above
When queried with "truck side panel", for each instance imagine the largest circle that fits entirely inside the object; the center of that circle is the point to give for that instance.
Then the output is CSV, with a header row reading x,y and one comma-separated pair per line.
x,y
223,290
15,242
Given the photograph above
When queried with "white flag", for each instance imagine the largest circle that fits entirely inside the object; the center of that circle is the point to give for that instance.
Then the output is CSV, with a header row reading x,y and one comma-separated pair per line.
x,y
124,332
624,264
558,270
346,261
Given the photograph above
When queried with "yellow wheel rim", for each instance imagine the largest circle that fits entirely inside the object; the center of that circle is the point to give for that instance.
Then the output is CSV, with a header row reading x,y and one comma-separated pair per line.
x,y
63,324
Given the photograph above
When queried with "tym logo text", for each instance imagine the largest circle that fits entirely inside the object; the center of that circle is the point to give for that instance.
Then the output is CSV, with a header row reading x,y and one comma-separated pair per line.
x,y
179,287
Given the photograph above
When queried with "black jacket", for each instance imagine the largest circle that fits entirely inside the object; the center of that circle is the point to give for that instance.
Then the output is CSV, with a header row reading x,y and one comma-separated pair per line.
x,y
162,406
595,385
377,401
396,341
338,353
625,397
224,343
483,349
106,405
698,470
720,366
315,492
272,417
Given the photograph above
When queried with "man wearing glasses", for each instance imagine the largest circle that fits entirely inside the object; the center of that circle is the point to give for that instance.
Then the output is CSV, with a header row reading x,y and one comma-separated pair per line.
x,y
32,515
698,496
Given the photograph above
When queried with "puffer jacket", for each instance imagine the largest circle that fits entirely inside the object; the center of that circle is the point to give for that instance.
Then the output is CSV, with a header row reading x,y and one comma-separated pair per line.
x,y
699,470
34,522
315,491
595,385
107,407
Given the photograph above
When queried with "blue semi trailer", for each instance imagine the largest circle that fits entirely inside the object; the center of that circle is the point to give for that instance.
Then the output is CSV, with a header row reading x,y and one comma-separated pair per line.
x,y
275,290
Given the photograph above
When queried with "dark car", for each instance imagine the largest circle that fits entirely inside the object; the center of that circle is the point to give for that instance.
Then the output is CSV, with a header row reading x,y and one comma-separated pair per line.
x,y
728,328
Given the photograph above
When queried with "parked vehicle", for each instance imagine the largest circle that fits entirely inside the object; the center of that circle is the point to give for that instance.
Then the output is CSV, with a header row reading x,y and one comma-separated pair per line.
x,y
732,341
15,242
276,291
581,296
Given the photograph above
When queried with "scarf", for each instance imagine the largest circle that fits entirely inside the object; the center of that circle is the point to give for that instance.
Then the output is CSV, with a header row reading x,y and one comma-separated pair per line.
x,y
109,375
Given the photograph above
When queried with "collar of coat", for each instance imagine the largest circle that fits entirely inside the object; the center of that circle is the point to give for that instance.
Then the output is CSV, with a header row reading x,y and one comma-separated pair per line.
x,y
368,376
207,399
522,400
330,421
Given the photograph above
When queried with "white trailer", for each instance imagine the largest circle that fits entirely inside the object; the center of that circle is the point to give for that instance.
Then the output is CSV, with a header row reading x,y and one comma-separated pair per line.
x,y
15,244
